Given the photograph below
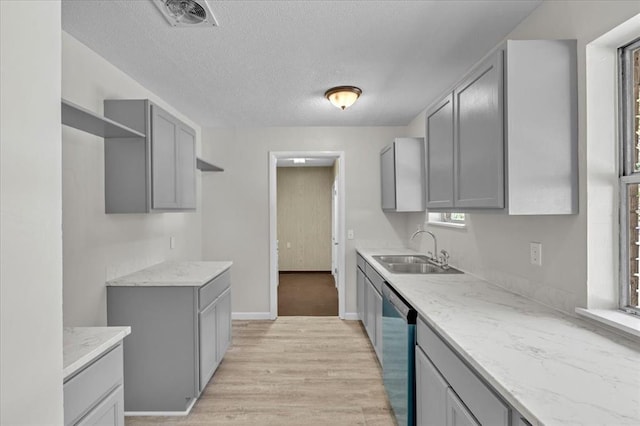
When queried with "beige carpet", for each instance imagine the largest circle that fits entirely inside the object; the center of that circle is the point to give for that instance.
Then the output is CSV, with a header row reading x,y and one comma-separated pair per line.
x,y
302,371
307,294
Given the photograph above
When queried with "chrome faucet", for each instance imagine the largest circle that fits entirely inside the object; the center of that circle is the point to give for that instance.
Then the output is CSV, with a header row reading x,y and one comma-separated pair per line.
x,y
432,256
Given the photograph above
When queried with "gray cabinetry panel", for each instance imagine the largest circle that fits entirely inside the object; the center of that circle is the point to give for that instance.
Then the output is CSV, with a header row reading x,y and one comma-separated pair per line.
x,y
223,322
360,294
375,278
208,348
110,412
213,289
89,387
542,126
457,413
388,178
431,393
439,156
152,173
485,406
515,133
378,320
186,163
479,147
370,324
402,175
161,368
164,129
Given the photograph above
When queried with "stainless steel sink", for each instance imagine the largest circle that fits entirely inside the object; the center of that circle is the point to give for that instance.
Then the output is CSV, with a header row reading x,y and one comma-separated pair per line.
x,y
402,259
413,265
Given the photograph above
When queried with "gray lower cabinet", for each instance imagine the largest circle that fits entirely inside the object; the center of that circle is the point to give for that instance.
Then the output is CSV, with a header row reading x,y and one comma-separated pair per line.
x,y
457,412
402,175
181,336
440,373
94,396
155,173
369,290
505,137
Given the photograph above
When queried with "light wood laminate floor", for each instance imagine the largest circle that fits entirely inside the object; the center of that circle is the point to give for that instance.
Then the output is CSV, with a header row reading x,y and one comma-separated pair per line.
x,y
293,371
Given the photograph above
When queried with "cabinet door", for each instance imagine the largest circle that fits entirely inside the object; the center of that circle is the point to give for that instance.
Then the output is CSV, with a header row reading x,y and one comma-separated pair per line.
x,y
186,168
479,142
388,178
439,155
431,393
164,131
223,314
457,413
207,341
360,293
371,311
378,319
109,412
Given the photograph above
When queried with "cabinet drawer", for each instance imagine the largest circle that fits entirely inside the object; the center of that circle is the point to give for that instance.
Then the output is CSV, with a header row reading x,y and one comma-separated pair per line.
x,y
375,278
485,406
360,261
84,390
110,412
214,288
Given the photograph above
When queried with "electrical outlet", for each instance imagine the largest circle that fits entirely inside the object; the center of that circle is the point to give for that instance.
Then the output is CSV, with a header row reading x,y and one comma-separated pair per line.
x,y
350,234
535,253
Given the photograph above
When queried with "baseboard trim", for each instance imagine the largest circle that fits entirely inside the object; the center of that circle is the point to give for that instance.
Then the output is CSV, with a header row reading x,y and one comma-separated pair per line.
x,y
351,316
162,413
251,315
304,272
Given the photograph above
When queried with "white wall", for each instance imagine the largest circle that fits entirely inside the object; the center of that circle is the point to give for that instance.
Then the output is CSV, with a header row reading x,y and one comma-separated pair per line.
x,y
97,246
30,214
236,202
496,247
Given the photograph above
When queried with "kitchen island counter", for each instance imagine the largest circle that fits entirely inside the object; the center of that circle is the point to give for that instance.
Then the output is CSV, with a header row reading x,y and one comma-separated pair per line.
x,y
173,274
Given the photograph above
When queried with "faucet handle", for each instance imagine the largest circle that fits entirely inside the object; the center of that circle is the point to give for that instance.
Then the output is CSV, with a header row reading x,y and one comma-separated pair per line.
x,y
444,257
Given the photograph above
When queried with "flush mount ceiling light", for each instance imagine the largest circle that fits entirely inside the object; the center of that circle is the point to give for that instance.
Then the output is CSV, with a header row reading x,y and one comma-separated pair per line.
x,y
187,13
343,96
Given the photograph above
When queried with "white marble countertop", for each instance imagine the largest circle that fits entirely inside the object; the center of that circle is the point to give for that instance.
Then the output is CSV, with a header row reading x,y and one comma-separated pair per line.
x,y
553,368
173,274
81,345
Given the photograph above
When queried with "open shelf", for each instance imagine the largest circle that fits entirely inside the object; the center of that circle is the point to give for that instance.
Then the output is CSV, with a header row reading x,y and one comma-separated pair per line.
x,y
206,166
82,119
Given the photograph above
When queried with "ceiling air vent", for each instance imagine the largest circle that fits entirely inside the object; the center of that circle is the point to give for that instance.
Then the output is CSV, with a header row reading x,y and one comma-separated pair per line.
x,y
187,13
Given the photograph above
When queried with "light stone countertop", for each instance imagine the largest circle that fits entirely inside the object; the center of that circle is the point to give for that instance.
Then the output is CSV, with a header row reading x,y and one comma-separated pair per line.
x,y
81,345
173,274
553,368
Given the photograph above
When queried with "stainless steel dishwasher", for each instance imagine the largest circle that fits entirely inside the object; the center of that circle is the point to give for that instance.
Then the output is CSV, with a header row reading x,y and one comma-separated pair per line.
x,y
398,355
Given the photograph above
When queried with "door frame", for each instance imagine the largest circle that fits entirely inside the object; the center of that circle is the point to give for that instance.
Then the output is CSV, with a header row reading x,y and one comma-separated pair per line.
x,y
273,224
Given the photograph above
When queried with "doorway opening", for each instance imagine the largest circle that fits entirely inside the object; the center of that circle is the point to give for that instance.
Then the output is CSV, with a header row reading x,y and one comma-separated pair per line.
x,y
306,233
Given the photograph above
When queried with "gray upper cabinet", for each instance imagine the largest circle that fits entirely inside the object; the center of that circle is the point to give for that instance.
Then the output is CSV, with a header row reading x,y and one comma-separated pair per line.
x,y
440,154
508,132
479,147
402,175
151,174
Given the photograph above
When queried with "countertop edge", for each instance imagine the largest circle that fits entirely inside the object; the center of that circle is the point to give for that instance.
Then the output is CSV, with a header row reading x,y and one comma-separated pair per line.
x,y
119,334
118,282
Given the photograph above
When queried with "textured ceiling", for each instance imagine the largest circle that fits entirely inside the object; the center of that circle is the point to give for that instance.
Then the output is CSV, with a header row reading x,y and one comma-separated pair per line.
x,y
270,62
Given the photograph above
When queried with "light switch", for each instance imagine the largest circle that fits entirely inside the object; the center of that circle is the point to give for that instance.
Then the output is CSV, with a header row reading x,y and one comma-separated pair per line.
x,y
536,253
288,244
350,234
172,242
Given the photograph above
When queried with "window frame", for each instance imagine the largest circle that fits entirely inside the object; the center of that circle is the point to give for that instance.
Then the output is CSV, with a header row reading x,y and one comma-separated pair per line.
x,y
628,174
444,219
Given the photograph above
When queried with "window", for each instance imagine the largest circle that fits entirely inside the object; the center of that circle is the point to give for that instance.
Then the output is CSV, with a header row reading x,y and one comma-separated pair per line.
x,y
630,176
456,220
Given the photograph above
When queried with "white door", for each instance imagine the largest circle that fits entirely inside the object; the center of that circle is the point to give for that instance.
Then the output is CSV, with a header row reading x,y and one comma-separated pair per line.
x,y
334,231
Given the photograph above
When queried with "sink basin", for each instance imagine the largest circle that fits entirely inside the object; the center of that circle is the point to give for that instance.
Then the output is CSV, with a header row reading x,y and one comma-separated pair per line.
x,y
418,268
411,264
402,259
